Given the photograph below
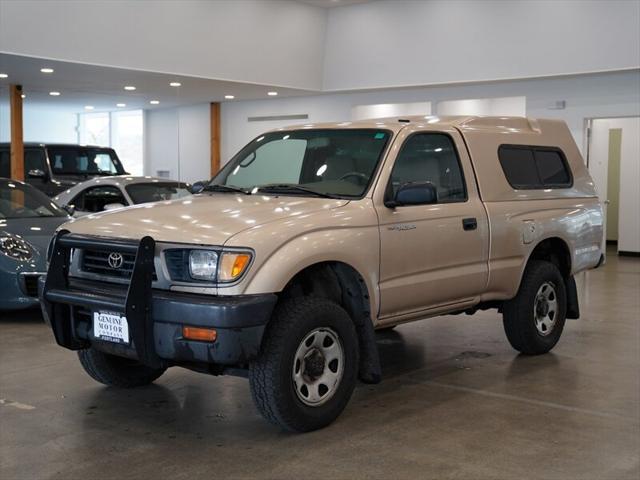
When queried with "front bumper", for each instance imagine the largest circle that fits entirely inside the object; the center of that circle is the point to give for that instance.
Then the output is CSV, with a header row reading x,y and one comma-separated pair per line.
x,y
155,317
18,290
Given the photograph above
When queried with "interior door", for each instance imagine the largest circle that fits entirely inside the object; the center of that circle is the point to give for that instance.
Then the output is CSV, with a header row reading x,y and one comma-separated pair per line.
x,y
434,254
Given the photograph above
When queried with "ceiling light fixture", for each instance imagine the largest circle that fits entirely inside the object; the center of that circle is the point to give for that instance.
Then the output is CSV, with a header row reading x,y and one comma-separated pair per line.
x,y
54,94
155,102
121,105
129,88
4,75
46,70
88,107
175,84
272,94
23,95
229,97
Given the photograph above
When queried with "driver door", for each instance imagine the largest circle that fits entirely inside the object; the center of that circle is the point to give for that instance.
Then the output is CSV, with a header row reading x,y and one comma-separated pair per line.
x,y
436,254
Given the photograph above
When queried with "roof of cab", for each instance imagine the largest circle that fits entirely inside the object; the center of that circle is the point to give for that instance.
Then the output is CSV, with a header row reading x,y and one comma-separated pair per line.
x,y
489,124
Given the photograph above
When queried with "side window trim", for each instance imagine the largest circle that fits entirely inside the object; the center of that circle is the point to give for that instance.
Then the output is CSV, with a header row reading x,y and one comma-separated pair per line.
x,y
388,193
534,149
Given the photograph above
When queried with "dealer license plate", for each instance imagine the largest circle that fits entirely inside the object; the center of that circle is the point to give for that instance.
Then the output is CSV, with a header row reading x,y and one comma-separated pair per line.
x,y
111,327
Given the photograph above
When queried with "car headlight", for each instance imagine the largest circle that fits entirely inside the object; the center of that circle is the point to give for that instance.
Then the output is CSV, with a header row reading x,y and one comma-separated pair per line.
x,y
15,247
203,264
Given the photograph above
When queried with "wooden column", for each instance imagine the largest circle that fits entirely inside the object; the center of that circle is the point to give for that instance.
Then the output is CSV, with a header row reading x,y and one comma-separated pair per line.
x,y
17,144
215,138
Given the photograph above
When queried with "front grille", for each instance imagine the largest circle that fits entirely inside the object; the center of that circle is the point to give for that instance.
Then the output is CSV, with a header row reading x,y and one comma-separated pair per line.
x,y
96,261
31,285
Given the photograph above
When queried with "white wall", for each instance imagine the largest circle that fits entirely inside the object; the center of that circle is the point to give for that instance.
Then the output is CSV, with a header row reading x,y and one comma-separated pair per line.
x,y
275,42
177,140
586,96
405,42
41,124
502,106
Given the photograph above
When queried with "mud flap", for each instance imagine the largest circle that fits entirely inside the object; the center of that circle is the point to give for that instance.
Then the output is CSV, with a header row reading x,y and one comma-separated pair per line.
x,y
573,308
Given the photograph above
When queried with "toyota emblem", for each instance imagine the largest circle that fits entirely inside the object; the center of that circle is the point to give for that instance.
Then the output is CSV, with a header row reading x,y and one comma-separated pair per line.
x,y
115,260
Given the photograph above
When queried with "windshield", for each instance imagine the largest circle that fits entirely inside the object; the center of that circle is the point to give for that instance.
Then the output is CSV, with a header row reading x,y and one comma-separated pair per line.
x,y
156,192
22,201
84,161
330,163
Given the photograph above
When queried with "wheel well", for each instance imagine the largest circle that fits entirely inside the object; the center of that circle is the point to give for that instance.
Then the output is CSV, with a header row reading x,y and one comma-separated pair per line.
x,y
342,284
556,251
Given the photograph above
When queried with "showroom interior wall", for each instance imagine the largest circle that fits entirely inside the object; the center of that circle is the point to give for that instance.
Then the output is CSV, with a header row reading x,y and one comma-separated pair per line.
x,y
177,142
585,96
42,123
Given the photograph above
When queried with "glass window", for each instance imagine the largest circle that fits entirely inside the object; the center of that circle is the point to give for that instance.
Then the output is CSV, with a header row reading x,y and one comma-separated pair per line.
x,y
127,139
430,157
22,201
84,161
34,160
530,167
306,162
551,168
95,199
5,165
156,192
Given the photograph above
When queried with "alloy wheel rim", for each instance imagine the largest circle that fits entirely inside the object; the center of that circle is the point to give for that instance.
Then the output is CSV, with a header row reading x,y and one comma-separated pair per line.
x,y
318,366
545,308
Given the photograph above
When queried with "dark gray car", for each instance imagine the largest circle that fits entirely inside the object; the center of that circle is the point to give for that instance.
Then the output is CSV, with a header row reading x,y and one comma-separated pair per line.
x,y
28,220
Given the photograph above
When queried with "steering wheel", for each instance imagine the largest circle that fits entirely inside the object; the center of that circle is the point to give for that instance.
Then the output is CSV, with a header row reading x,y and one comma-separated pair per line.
x,y
362,178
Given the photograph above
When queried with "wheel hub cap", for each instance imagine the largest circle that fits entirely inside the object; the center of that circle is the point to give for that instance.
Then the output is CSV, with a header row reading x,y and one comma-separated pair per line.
x,y
318,366
545,308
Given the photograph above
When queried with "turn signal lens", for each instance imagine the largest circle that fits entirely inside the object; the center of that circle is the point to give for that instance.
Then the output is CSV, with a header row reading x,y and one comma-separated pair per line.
x,y
199,334
232,266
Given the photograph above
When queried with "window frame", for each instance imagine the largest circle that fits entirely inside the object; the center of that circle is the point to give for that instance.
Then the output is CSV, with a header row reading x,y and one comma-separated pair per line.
x,y
388,194
534,149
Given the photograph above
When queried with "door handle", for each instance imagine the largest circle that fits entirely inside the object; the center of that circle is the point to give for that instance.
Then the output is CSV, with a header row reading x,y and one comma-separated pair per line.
x,y
469,223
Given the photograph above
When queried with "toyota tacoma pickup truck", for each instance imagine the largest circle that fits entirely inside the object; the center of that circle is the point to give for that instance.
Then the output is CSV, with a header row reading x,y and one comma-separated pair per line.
x,y
313,237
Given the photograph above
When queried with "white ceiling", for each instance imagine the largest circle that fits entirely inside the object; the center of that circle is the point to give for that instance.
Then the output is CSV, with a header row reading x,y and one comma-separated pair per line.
x,y
102,87
332,3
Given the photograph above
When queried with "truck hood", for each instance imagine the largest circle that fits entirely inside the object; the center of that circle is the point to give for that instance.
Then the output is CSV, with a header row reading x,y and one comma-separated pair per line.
x,y
207,219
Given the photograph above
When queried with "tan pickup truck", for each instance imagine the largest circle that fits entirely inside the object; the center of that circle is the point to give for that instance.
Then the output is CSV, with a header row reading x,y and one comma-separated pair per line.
x,y
312,237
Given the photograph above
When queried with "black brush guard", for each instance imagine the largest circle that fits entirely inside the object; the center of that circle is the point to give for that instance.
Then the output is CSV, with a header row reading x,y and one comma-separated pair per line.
x,y
59,297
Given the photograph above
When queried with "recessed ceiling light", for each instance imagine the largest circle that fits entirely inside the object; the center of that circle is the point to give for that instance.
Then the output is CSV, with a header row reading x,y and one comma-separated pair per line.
x,y
54,94
4,75
46,70
88,107
175,84
229,97
130,88
121,105
272,94
155,102
23,95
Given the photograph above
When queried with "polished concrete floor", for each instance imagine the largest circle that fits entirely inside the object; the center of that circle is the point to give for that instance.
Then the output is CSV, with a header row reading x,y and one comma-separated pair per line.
x,y
455,402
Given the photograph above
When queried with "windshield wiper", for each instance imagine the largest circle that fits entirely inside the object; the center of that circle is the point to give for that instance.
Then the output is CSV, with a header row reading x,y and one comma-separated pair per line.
x,y
291,187
225,188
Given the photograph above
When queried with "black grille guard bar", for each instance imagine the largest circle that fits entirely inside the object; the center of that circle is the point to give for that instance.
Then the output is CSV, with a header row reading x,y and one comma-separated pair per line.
x,y
58,297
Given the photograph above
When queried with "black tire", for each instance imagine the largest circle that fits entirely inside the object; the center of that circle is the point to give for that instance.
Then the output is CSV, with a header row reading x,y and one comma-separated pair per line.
x,y
271,376
116,371
519,314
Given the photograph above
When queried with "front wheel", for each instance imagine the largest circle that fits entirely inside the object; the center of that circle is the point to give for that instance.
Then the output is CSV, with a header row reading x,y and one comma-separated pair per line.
x,y
534,318
307,367
117,371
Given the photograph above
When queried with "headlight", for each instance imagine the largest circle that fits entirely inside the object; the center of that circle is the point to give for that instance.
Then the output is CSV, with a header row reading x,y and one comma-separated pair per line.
x,y
203,264
233,265
15,247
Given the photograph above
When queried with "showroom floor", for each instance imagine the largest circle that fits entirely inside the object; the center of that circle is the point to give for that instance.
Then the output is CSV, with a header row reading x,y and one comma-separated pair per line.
x,y
455,402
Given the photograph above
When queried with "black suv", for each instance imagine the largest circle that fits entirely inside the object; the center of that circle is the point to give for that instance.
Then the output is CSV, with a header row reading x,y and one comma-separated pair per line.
x,y
52,168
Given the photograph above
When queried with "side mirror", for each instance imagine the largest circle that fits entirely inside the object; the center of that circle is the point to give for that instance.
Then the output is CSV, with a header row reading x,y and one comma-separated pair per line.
x,y
112,206
36,173
70,209
197,187
417,193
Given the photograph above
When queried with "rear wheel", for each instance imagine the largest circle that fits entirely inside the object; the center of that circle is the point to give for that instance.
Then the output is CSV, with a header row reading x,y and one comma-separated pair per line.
x,y
534,319
117,371
307,367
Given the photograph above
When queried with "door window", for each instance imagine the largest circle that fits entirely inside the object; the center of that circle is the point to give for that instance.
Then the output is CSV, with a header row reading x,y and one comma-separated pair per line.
x,y
34,160
94,199
430,157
